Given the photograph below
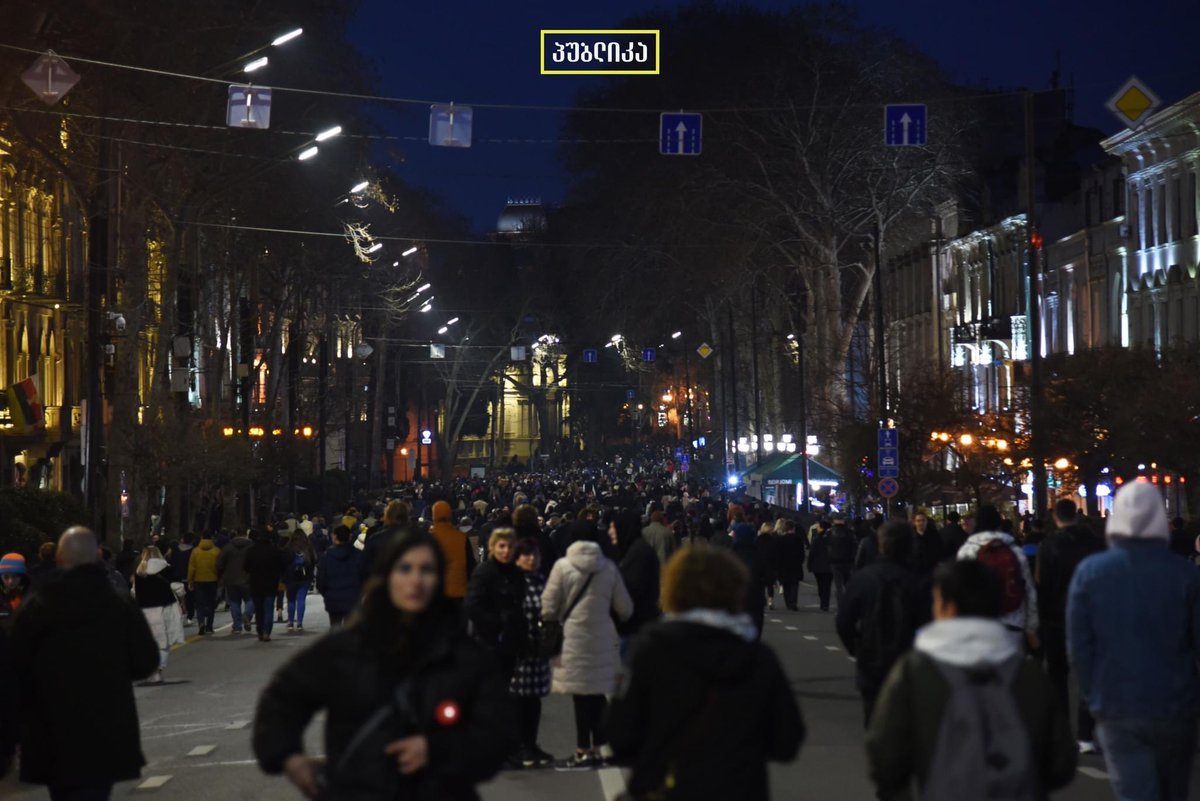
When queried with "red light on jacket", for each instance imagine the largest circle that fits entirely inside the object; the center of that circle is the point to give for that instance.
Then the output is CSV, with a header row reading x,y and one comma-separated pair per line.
x,y
448,713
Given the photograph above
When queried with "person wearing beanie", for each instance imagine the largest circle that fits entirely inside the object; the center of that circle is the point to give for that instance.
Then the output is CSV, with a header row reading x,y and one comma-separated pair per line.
x,y
14,585
460,562
1133,634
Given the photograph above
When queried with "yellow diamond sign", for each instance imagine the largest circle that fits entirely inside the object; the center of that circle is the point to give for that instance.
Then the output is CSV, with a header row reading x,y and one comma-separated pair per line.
x,y
1133,102
705,350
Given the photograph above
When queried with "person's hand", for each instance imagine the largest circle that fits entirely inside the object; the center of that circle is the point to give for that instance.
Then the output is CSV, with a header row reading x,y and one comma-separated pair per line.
x,y
301,771
1032,638
412,753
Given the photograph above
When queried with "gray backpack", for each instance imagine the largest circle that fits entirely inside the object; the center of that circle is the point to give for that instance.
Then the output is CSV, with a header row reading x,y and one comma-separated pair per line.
x,y
983,751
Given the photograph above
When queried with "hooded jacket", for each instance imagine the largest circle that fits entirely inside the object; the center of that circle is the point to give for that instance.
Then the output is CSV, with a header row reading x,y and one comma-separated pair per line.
x,y
231,564
590,660
202,567
903,736
79,620
705,702
1024,617
1133,618
339,578
459,560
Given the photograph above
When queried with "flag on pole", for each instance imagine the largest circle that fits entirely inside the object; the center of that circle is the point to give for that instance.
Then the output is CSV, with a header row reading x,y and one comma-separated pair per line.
x,y
24,404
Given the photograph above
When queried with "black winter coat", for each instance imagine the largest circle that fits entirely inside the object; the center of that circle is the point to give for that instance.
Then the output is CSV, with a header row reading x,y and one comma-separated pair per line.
x,y
640,571
343,675
767,553
715,706
859,602
265,564
790,551
339,578
376,544
79,647
495,608
818,553
953,537
1058,557
756,599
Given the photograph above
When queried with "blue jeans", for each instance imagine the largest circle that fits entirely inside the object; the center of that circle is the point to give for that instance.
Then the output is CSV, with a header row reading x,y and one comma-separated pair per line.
x,y
239,598
206,603
1149,760
297,594
264,618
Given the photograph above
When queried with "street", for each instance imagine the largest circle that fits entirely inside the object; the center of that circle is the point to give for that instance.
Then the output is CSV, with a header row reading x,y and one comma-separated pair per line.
x,y
196,727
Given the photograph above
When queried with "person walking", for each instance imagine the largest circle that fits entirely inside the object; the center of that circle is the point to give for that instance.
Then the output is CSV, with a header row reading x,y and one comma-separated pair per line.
x,y
819,564
964,715
928,546
745,546
180,557
14,586
397,521
265,565
159,602
413,708
531,676
460,561
589,584
298,578
1058,558
640,570
768,556
953,536
704,706
790,555
231,570
339,577
84,736
1133,635
1001,552
659,536
842,547
494,602
882,610
202,580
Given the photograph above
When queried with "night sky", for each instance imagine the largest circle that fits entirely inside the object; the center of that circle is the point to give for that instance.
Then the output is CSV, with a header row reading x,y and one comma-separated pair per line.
x,y
477,51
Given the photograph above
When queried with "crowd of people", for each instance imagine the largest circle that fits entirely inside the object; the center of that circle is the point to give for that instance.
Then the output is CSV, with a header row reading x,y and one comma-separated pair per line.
x,y
456,608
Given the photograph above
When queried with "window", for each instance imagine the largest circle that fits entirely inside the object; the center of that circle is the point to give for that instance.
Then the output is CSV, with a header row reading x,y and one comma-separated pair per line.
x,y
1190,206
1118,197
1176,210
1160,214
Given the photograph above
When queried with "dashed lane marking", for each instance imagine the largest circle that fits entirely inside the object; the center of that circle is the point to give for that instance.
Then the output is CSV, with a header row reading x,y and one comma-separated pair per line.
x,y
791,628
809,637
832,648
776,620
202,750
153,782
237,724
1094,773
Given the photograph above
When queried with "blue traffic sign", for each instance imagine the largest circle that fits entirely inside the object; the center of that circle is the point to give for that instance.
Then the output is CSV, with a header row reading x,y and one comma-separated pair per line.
x,y
889,463
248,107
905,125
629,394
679,134
590,356
888,487
450,125
889,438
648,355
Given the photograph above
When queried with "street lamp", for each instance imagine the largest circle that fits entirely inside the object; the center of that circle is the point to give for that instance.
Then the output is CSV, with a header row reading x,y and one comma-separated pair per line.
x,y
287,37
307,154
966,439
374,248
410,251
329,133
256,64
677,335
359,187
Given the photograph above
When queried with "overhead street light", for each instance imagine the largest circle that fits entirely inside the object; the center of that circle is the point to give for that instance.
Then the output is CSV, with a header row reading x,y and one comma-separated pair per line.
x,y
358,187
677,335
452,321
287,37
443,330
256,64
305,155
374,248
410,251
329,133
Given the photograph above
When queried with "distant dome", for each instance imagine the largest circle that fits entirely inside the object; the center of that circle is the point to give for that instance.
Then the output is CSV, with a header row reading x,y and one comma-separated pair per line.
x,y
522,216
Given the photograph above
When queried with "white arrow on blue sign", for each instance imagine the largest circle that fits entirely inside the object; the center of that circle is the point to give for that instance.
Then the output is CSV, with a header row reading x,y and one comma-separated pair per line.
x,y
450,125
679,134
905,124
648,355
590,356
248,107
889,438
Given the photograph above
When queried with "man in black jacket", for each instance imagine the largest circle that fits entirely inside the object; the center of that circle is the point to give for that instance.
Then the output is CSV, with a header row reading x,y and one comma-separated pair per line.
x,y
841,555
790,551
881,611
80,732
1058,557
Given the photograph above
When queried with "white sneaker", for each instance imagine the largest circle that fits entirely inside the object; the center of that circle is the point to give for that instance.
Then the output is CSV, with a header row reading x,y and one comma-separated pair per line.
x,y
1088,747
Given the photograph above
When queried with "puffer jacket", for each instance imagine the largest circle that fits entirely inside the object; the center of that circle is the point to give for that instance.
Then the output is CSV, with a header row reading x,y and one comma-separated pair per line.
x,y
589,661
202,567
339,578
452,693
231,564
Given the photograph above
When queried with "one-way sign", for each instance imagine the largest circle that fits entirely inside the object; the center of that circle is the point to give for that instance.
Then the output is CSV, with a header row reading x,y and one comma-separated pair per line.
x,y
679,134
50,78
248,107
904,124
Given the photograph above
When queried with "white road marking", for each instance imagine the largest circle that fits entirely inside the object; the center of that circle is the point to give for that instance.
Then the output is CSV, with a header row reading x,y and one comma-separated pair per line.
x,y
809,637
776,620
852,659
612,783
237,724
1095,773
832,648
791,628
202,750
153,782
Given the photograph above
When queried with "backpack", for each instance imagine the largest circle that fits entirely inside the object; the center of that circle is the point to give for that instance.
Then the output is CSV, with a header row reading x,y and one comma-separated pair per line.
x,y
997,555
983,750
299,567
886,631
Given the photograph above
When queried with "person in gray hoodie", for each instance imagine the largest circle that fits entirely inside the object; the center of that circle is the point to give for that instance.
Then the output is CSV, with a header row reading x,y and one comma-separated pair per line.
x,y
231,569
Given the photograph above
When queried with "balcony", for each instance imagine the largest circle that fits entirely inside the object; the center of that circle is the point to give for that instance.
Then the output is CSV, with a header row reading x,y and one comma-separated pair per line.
x,y
994,328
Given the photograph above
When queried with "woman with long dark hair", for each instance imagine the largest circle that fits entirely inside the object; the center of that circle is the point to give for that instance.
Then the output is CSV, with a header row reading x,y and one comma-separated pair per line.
x,y
639,567
414,708
531,677
299,575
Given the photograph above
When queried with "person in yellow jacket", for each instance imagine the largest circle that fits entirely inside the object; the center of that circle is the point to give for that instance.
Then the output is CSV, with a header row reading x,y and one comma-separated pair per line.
x,y
202,578
460,562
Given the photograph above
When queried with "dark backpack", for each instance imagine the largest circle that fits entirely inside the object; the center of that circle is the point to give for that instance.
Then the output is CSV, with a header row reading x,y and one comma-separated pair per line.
x,y
886,630
841,545
997,555
983,751
299,567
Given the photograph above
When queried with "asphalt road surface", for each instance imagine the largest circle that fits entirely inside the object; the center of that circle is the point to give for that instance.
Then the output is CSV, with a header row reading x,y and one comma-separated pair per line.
x,y
196,727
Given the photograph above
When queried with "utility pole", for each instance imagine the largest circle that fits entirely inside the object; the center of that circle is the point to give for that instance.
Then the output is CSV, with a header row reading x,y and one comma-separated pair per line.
x,y
803,421
880,333
758,430
97,289
322,411
1033,241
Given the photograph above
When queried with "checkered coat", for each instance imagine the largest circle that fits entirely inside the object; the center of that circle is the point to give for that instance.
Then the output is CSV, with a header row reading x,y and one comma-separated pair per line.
x,y
531,679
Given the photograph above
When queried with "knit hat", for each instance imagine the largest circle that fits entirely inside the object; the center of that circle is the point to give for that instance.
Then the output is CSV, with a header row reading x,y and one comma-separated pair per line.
x,y
442,512
13,564
1138,513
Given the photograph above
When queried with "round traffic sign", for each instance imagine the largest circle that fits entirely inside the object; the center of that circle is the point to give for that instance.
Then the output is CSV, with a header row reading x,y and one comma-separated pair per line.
x,y
888,487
